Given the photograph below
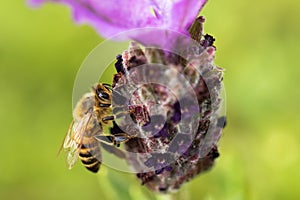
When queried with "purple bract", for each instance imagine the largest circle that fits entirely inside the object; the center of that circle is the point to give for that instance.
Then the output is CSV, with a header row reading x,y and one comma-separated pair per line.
x,y
111,17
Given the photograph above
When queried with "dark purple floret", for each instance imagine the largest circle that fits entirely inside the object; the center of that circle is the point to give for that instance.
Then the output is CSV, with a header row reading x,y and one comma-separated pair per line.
x,y
159,171
208,41
186,153
183,148
180,143
119,64
164,132
156,122
150,162
177,114
159,161
168,168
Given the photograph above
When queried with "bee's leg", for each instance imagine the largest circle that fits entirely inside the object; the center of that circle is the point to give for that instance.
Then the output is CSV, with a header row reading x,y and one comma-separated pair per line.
x,y
111,139
104,105
114,140
108,118
120,138
115,129
106,139
117,144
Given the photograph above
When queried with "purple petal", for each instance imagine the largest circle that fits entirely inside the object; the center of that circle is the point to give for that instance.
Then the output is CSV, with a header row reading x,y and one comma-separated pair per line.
x,y
183,13
111,17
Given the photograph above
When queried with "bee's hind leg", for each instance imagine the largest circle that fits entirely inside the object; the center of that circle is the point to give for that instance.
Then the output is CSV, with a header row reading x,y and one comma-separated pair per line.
x,y
106,139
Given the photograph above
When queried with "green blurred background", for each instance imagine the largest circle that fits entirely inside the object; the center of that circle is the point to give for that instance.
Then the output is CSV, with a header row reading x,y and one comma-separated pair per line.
x,y
258,45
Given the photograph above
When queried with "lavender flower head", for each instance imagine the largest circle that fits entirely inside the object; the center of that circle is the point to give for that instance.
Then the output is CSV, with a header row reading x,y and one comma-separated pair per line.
x,y
178,126
172,91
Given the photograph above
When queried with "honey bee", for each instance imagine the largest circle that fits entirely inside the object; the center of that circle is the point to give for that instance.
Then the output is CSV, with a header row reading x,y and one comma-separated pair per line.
x,y
91,114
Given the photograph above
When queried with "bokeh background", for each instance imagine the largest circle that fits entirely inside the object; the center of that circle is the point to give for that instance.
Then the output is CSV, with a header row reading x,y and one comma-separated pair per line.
x,y
257,43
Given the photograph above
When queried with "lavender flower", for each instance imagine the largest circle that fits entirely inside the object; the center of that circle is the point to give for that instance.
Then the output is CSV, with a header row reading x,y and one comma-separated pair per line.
x,y
111,17
181,144
177,130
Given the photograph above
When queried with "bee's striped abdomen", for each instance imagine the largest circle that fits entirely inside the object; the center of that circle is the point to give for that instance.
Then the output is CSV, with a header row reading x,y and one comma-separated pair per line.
x,y
89,160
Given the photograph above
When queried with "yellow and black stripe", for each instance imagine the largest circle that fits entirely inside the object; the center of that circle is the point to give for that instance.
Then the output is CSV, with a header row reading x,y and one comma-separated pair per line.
x,y
89,160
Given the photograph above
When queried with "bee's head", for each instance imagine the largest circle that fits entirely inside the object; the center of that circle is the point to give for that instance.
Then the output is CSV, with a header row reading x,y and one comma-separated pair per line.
x,y
103,92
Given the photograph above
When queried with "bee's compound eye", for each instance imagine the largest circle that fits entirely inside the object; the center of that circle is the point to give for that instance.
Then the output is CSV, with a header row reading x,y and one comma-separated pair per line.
x,y
103,95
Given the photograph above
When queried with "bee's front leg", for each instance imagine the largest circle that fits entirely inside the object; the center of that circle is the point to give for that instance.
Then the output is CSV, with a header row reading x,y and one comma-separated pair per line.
x,y
108,118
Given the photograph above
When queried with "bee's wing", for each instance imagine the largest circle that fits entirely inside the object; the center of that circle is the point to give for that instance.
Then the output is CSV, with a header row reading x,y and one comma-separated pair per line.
x,y
67,137
114,150
74,137
90,141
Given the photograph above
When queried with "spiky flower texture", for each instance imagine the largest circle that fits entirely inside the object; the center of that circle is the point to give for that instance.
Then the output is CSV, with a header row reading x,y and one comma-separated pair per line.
x,y
171,86
178,134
